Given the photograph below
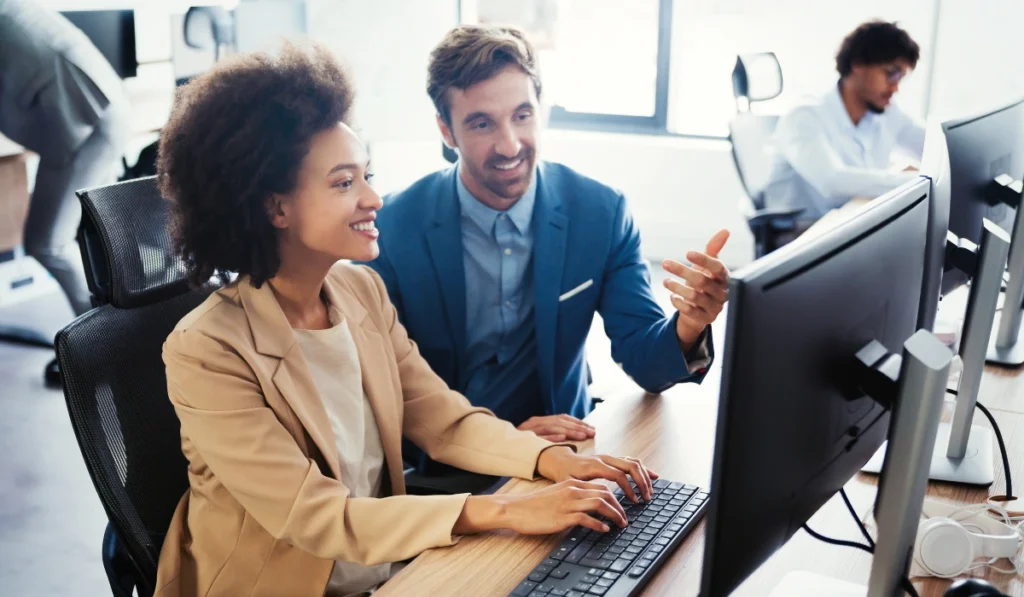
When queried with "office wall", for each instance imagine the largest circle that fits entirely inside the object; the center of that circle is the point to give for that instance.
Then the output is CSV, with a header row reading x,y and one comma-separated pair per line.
x,y
386,44
980,56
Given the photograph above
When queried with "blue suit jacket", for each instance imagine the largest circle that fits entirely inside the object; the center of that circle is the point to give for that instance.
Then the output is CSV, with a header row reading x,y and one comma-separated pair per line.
x,y
583,232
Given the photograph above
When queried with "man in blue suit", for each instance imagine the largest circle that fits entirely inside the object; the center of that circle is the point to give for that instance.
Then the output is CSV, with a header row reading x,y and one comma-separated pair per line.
x,y
497,266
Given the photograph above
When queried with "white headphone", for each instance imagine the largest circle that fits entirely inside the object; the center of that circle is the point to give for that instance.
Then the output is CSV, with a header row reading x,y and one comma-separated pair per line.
x,y
952,540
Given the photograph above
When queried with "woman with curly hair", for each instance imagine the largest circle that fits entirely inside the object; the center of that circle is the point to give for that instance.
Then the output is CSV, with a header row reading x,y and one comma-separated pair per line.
x,y
295,383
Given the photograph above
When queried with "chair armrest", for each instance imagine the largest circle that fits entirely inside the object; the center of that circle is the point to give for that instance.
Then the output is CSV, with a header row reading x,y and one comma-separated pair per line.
x,y
779,218
449,484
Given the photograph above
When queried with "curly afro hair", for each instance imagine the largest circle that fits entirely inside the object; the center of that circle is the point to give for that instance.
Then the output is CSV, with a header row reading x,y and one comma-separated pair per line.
x,y
876,42
236,136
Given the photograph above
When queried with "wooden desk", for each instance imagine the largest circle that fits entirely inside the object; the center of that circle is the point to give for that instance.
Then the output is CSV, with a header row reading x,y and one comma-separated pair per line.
x,y
674,434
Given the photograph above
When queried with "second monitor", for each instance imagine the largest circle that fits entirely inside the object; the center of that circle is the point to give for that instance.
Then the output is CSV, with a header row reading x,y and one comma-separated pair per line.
x,y
795,419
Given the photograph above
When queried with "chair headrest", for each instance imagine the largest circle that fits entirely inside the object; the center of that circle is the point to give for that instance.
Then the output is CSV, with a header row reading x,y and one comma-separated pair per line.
x,y
126,246
757,77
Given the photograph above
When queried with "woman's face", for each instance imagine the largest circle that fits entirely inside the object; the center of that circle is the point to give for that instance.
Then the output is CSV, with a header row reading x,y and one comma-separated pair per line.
x,y
332,210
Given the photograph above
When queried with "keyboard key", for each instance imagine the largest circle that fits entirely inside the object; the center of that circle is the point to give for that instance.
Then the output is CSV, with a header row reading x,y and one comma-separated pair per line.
x,y
595,572
544,569
546,588
637,572
656,549
558,593
614,551
602,563
579,553
675,528
595,552
575,594
634,549
620,565
645,537
559,573
604,582
662,519
645,562
691,487
702,494
590,578
524,588
673,486
537,576
582,587
595,590
656,526
550,563
538,594
661,541
662,483
560,553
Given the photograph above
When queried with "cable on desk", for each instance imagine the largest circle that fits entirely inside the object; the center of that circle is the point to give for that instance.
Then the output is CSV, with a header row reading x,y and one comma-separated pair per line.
x,y
853,513
904,582
1002,445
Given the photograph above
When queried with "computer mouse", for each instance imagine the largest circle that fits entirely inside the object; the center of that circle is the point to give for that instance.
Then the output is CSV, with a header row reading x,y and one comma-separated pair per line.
x,y
972,587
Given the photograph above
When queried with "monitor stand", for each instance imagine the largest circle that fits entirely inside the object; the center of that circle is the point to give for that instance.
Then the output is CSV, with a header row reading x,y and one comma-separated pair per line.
x,y
1006,347
963,452
1011,354
809,584
975,468
923,372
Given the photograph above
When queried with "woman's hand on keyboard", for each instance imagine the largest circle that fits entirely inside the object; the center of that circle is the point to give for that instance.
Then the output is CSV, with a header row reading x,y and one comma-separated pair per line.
x,y
549,510
560,463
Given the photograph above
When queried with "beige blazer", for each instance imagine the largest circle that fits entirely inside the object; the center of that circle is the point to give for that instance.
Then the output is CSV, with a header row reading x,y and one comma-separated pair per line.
x,y
265,514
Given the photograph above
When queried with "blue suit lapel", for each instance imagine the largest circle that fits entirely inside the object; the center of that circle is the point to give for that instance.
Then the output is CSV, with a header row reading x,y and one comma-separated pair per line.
x,y
444,242
551,229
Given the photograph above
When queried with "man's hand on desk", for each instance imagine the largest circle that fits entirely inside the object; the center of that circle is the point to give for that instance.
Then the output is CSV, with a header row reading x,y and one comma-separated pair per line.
x,y
702,297
573,500
558,428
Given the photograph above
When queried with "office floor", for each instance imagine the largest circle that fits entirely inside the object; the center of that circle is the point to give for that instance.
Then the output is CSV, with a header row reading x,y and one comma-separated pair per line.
x,y
51,521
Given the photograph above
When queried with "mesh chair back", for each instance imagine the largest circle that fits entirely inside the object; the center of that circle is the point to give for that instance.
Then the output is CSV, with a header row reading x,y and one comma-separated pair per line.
x,y
753,151
128,250
112,370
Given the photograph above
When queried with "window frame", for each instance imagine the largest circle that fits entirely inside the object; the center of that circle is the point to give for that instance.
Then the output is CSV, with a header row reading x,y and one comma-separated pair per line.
x,y
560,118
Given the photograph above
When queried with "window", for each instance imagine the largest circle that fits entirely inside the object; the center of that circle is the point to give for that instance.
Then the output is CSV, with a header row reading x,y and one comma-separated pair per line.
x,y
665,66
604,62
803,34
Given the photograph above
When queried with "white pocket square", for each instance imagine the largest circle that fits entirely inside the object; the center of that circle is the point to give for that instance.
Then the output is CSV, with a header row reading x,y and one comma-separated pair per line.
x,y
575,291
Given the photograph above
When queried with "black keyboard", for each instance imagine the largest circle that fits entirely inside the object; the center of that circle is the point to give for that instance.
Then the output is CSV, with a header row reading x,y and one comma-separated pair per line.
x,y
620,562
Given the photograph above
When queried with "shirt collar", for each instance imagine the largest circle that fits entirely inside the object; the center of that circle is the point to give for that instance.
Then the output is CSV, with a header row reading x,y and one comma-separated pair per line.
x,y
519,214
836,99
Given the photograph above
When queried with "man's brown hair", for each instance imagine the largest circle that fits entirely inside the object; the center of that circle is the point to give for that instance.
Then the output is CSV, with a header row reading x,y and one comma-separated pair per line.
x,y
470,54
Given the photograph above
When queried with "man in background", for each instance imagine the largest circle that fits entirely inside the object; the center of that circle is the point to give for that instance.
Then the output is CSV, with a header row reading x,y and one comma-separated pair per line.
x,y
59,98
841,146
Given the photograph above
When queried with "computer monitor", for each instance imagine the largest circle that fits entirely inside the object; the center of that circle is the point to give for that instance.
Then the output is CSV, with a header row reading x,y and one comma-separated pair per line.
x,y
794,424
113,34
981,148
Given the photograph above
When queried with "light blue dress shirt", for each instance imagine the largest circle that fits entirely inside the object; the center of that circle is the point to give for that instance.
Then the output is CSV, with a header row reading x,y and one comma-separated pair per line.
x,y
500,338
824,159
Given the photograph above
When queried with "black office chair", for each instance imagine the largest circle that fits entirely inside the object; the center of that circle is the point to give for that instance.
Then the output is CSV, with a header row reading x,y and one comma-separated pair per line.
x,y
114,379
755,78
113,374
